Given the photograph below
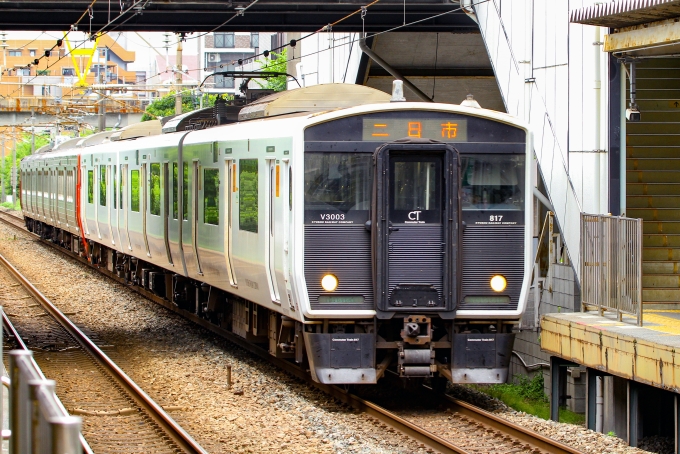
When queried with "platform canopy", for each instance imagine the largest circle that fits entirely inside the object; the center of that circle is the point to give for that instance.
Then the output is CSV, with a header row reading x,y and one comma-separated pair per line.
x,y
638,28
224,15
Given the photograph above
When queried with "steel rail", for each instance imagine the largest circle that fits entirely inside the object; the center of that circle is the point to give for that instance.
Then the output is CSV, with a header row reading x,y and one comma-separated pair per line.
x,y
13,331
414,431
160,417
486,418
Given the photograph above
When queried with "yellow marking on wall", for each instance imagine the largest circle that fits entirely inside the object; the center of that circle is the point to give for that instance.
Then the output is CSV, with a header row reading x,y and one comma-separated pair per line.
x,y
79,53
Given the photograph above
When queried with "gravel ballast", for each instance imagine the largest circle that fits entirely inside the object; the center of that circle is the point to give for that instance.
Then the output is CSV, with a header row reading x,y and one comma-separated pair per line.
x,y
183,367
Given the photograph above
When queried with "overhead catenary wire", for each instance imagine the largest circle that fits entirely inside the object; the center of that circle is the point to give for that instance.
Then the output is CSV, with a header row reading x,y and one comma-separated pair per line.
x,y
292,43
73,28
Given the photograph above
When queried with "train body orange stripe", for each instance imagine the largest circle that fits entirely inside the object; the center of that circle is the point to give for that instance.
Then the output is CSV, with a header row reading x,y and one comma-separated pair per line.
x,y
78,215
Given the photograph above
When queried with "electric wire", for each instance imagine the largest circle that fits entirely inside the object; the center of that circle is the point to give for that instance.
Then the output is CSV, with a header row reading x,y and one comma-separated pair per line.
x,y
292,43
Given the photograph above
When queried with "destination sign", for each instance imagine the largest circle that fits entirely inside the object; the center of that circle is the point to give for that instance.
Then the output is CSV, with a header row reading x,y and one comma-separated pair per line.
x,y
388,129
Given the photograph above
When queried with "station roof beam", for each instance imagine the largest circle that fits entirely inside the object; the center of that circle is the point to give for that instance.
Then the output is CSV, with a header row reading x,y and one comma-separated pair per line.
x,y
263,15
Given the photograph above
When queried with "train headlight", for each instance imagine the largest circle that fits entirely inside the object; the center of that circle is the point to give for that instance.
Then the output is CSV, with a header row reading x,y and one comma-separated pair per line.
x,y
329,282
498,283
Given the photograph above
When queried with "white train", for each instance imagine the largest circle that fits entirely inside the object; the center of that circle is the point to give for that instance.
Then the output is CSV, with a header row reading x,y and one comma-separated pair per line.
x,y
341,229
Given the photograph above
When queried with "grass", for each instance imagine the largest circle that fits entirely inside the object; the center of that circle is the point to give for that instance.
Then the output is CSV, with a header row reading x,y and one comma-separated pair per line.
x,y
11,206
528,396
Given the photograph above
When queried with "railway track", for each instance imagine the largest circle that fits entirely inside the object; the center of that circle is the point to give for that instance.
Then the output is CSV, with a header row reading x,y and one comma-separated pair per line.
x,y
118,416
464,415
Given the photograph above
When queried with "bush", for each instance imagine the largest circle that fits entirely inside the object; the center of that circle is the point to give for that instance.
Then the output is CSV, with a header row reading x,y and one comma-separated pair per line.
x,y
11,206
527,395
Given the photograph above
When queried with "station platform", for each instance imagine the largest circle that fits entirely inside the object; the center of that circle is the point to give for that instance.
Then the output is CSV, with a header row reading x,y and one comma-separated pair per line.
x,y
646,354
633,372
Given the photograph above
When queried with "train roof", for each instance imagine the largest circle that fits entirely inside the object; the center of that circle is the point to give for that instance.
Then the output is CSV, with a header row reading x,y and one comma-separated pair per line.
x,y
136,130
317,98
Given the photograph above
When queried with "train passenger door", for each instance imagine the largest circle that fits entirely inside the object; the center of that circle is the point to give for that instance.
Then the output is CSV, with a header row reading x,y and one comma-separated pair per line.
x,y
415,228
124,205
194,212
229,190
144,181
61,198
114,214
166,211
274,252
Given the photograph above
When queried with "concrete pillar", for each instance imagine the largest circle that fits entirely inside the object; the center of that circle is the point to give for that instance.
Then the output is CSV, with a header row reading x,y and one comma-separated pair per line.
x,y
676,416
591,397
634,422
620,392
558,385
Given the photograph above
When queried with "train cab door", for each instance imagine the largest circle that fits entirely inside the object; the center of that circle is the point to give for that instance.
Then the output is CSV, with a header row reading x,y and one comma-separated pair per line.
x,y
415,228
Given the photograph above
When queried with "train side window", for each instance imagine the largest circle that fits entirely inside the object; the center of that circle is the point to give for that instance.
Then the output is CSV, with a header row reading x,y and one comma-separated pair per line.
x,y
211,196
175,185
90,186
185,190
155,189
134,190
102,185
248,209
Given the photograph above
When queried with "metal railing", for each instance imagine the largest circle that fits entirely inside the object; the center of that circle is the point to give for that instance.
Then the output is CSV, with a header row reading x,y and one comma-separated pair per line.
x,y
611,264
38,421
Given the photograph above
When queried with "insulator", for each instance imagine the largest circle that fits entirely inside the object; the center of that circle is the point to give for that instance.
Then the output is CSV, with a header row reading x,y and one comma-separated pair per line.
x,y
220,111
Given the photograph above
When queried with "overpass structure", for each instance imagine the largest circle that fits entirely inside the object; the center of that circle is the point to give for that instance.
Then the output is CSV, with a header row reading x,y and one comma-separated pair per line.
x,y
229,15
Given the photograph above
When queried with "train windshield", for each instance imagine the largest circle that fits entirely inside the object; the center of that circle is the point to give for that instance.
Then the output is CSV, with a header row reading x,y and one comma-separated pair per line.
x,y
338,181
492,182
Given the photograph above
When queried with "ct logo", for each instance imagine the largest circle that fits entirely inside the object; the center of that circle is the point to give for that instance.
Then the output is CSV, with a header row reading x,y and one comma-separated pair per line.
x,y
414,215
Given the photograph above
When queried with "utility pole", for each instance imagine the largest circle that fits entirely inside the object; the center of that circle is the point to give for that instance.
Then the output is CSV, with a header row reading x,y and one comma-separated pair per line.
x,y
14,166
178,77
102,105
32,131
4,46
2,178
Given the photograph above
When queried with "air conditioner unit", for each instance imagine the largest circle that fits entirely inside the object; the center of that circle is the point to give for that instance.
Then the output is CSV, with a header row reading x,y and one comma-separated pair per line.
x,y
213,57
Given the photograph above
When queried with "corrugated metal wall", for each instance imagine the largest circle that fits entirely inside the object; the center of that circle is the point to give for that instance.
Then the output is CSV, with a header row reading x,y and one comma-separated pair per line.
x,y
653,178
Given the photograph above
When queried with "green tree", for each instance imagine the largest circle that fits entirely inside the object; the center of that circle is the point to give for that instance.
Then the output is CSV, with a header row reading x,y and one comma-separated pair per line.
x,y
23,150
165,106
276,63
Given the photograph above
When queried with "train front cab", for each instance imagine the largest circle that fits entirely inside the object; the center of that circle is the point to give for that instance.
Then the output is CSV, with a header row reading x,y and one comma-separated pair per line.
x,y
414,231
